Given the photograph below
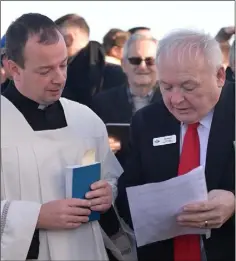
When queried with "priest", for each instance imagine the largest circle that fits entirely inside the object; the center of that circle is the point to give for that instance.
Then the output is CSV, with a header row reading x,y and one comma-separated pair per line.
x,y
42,134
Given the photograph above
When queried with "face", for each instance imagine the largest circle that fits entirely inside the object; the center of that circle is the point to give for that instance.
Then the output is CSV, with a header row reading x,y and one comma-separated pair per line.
x,y
190,89
117,52
78,40
142,74
44,74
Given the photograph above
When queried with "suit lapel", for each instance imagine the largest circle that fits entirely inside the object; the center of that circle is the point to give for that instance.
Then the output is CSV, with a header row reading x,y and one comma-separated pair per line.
x,y
166,157
220,138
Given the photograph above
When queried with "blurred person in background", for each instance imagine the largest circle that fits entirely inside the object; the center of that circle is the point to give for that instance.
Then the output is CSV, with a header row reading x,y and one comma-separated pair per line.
x,y
76,32
86,60
140,30
119,104
113,44
223,37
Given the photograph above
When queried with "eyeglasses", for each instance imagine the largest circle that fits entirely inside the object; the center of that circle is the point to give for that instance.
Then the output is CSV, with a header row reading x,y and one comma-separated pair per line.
x,y
149,61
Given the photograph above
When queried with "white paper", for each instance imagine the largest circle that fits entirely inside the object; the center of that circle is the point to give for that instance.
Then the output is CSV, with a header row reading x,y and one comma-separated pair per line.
x,y
155,206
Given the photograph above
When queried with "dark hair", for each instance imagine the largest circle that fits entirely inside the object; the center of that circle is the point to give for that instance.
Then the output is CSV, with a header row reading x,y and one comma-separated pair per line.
x,y
73,20
114,37
25,27
135,29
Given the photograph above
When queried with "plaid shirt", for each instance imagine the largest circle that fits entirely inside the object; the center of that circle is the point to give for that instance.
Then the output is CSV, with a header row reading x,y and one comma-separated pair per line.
x,y
131,97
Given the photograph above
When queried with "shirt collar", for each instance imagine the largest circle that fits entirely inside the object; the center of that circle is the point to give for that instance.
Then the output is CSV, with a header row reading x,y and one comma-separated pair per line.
x,y
205,121
19,100
149,95
113,60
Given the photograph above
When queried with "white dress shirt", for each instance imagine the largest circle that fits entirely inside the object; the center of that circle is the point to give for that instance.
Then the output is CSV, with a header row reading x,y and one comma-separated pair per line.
x,y
113,60
203,132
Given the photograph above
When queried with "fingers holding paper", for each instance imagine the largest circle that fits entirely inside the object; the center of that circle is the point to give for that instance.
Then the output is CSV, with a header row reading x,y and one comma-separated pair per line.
x,y
101,196
209,214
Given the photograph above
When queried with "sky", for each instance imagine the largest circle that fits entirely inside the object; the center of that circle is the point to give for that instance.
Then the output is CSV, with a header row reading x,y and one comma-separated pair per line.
x,y
160,16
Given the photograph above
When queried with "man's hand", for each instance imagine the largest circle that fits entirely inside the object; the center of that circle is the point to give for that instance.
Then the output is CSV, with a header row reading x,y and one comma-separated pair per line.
x,y
101,196
114,144
64,214
216,211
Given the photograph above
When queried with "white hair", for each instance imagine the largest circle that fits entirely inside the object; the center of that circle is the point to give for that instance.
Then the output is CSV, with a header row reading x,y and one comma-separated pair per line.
x,y
134,38
193,43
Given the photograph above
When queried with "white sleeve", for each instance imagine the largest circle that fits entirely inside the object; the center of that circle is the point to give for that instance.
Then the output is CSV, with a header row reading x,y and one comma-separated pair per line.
x,y
18,223
111,168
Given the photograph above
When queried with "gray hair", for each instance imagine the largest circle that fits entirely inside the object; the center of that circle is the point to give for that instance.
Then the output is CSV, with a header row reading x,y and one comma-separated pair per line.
x,y
232,56
196,43
134,38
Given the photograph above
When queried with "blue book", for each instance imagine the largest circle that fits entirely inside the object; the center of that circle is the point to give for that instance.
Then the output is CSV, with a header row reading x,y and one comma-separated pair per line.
x,y
79,180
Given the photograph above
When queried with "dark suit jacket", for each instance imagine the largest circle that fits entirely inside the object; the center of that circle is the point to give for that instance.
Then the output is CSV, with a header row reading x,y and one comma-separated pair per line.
x,y
229,74
85,74
113,106
149,164
113,76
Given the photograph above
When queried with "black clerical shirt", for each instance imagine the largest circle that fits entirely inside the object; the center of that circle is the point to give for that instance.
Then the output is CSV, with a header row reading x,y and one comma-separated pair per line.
x,y
49,118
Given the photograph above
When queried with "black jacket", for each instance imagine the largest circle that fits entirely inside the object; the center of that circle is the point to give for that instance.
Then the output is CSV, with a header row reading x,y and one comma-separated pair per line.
x,y
85,74
149,164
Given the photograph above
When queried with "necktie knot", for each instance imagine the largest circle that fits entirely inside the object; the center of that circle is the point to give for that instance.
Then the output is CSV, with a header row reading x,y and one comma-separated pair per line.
x,y
193,126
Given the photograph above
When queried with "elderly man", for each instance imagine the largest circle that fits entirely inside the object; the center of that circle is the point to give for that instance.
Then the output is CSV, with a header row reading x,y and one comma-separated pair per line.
x,y
201,113
139,65
41,135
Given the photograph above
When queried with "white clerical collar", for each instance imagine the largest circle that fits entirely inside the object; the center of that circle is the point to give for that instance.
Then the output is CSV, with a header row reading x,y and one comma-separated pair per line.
x,y
42,107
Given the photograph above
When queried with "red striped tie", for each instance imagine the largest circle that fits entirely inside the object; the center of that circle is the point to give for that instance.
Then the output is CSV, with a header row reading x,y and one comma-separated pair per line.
x,y
187,247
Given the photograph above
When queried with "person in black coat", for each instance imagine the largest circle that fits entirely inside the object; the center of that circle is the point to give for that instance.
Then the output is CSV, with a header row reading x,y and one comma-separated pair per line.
x,y
119,104
86,60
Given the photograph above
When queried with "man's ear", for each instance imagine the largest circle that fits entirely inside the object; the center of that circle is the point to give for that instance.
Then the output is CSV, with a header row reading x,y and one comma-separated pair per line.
x,y
68,39
13,68
221,76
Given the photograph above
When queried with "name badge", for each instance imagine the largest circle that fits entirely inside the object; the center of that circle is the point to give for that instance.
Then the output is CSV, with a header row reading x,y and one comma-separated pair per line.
x,y
164,140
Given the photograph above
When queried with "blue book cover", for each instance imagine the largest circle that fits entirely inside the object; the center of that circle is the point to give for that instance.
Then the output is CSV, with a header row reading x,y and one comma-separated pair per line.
x,y
79,180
